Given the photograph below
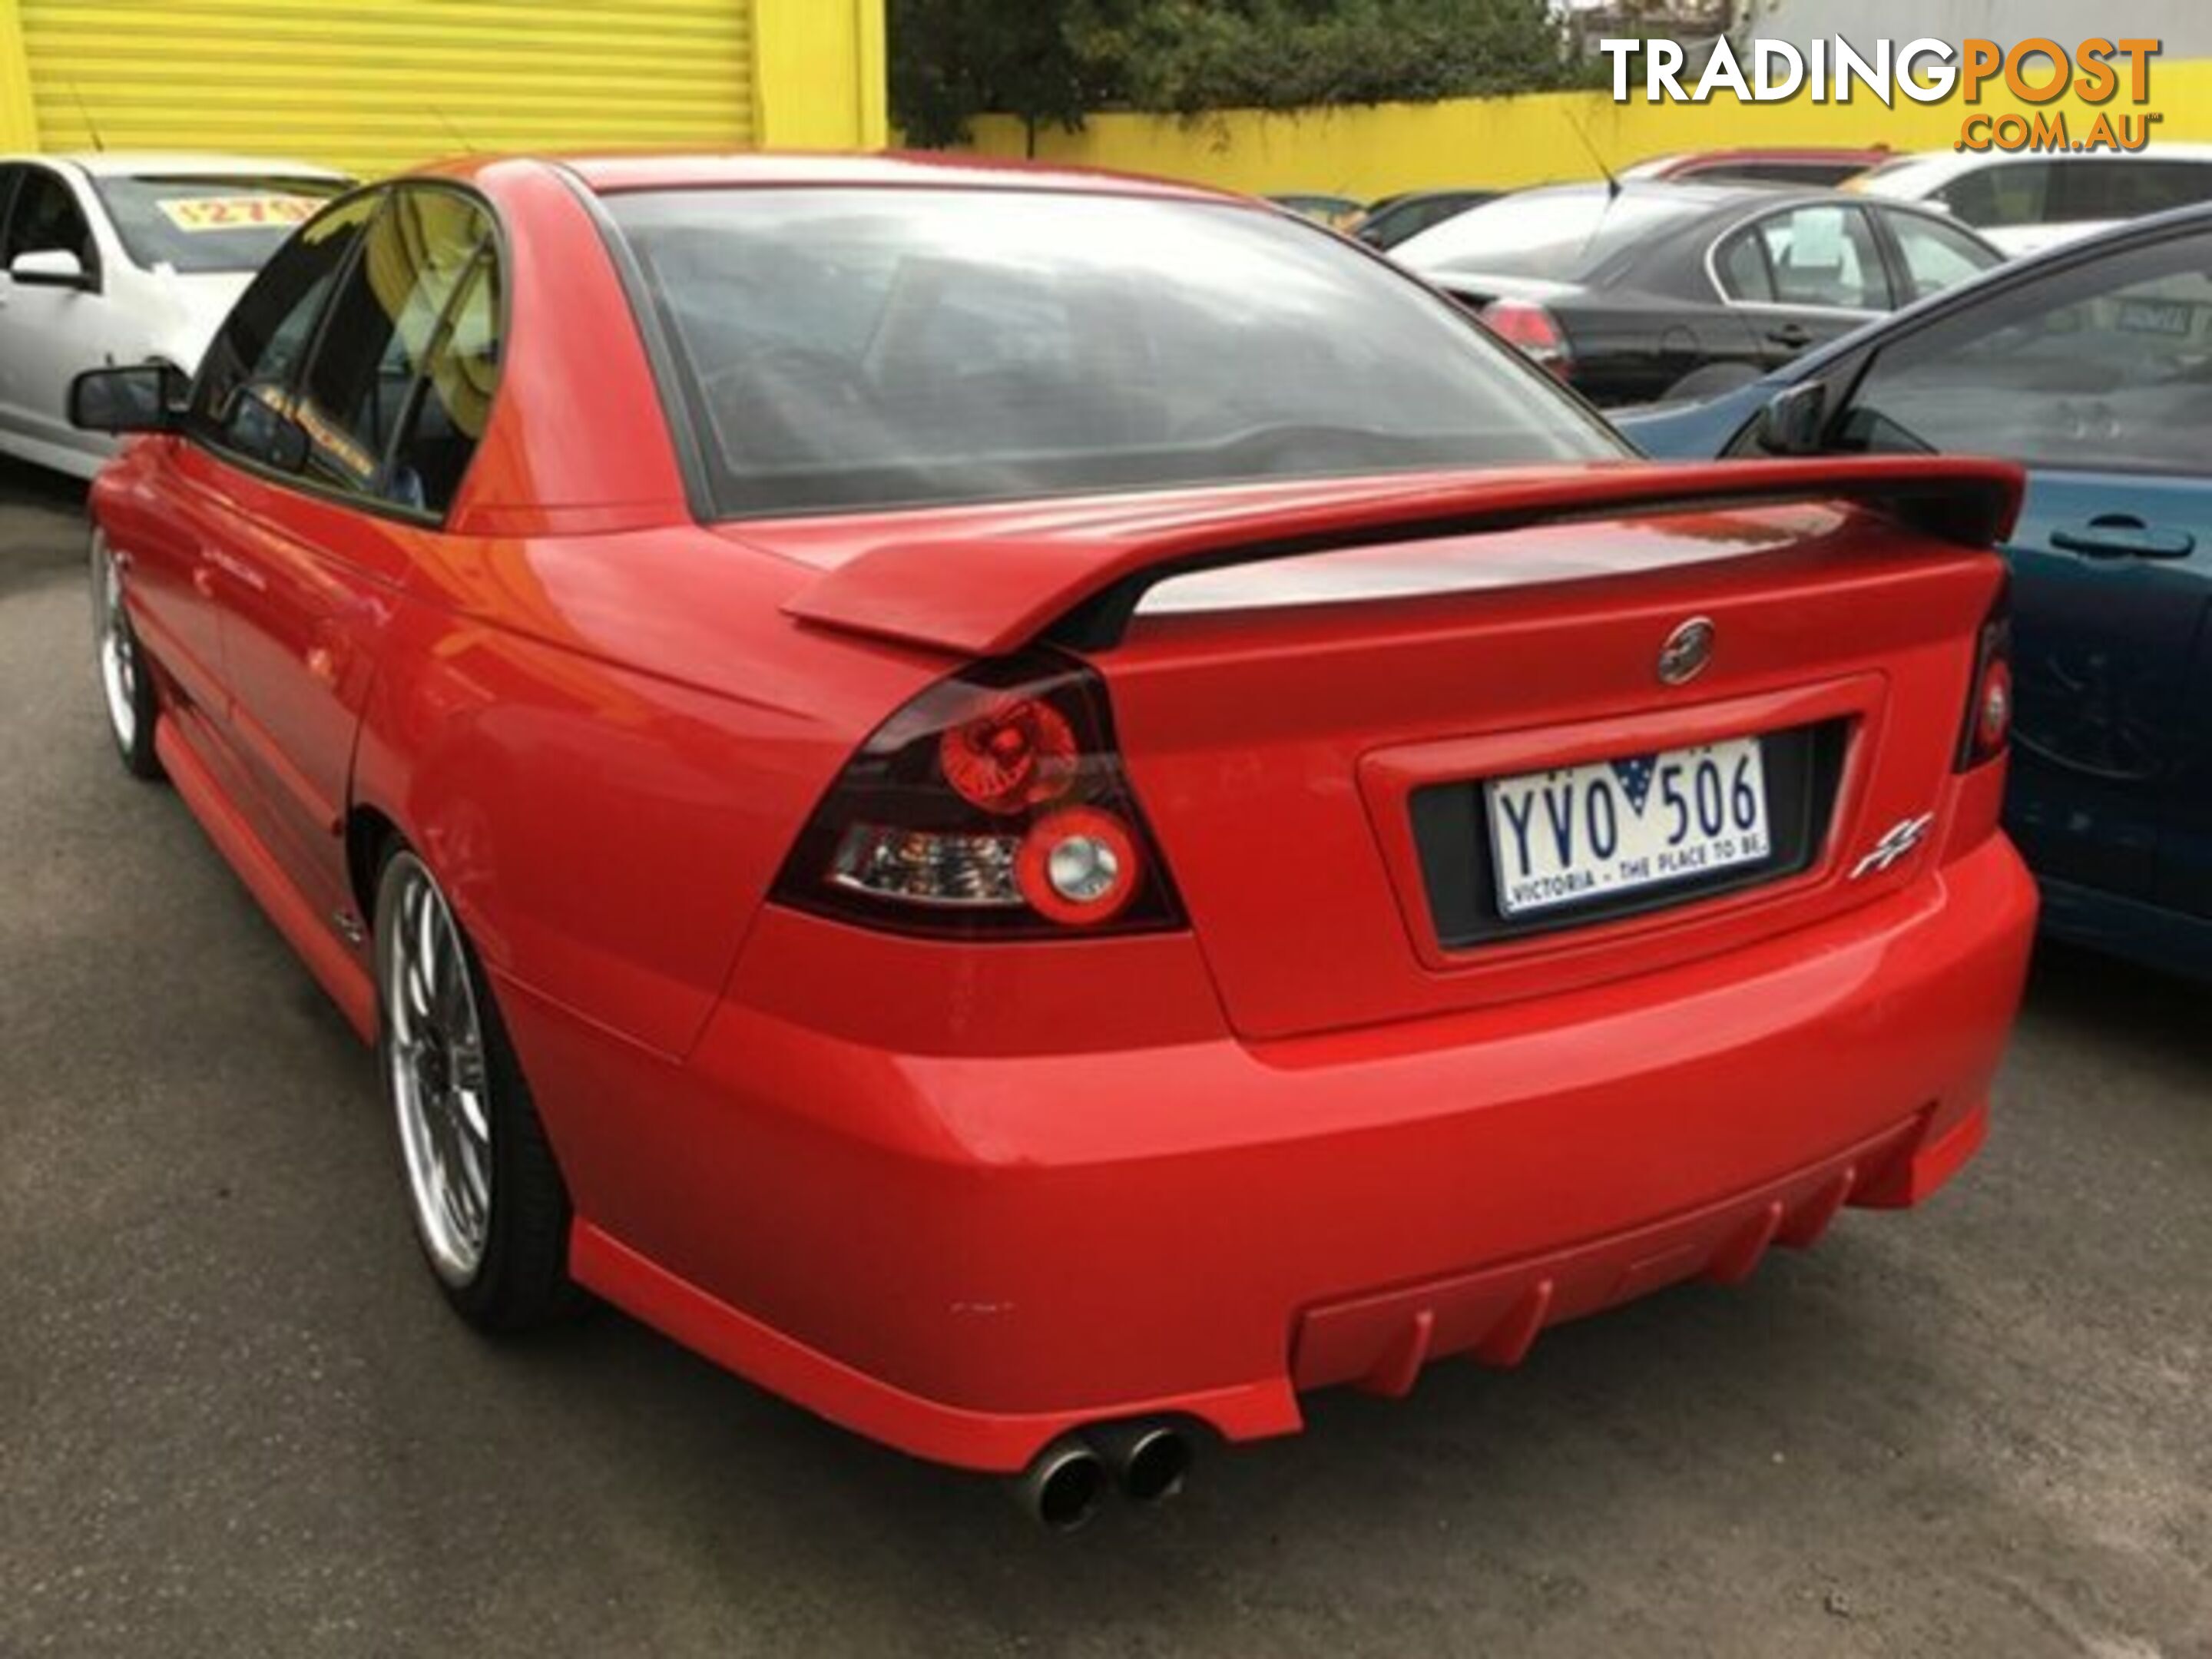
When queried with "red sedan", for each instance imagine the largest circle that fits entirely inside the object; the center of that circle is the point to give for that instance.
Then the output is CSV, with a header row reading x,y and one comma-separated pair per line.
x,y
1042,810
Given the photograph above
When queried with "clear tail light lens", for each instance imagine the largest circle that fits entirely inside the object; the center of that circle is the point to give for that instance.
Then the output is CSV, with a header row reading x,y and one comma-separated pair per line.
x,y
1534,330
1989,709
993,804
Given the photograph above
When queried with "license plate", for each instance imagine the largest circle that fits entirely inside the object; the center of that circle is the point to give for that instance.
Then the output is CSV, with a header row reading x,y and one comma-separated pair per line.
x,y
1583,834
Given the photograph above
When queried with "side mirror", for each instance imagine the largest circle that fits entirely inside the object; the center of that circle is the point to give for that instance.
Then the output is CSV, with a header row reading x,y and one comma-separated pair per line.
x,y
143,398
1793,420
51,267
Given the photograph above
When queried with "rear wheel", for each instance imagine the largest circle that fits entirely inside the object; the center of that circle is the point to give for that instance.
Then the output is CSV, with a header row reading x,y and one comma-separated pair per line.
x,y
126,685
490,1210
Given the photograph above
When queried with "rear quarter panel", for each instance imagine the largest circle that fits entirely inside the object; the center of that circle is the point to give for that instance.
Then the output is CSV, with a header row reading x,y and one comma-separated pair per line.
x,y
605,746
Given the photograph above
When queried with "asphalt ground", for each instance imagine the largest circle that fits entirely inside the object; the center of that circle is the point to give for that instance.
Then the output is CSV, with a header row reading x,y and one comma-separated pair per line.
x,y
236,1419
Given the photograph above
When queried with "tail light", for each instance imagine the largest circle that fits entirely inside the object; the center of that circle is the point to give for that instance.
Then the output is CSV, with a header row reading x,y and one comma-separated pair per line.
x,y
993,804
1990,706
1534,330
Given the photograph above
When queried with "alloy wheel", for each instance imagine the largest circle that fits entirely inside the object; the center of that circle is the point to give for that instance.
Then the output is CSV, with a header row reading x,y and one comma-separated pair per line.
x,y
118,647
436,1073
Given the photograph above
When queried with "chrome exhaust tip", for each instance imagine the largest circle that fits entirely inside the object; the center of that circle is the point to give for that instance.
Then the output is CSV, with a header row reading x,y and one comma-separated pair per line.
x,y
1150,1460
1063,1488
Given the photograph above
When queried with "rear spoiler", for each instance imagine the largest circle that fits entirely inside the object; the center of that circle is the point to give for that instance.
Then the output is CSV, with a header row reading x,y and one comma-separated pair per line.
x,y
986,593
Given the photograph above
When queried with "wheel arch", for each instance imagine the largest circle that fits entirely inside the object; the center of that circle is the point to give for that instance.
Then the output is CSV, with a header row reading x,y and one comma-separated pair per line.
x,y
370,833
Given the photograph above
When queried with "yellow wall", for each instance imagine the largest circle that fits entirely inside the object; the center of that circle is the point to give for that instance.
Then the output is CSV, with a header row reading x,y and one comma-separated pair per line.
x,y
1369,152
376,87
819,67
19,122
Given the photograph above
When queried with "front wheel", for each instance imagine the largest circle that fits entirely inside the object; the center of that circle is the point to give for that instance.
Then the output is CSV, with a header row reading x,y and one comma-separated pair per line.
x,y
490,1210
124,681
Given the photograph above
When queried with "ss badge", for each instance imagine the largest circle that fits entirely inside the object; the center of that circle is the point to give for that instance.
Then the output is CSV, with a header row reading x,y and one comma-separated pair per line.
x,y
1896,843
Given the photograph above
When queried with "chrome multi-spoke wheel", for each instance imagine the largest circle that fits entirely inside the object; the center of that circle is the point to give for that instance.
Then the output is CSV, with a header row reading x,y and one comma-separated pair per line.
x,y
124,683
440,1084
487,1201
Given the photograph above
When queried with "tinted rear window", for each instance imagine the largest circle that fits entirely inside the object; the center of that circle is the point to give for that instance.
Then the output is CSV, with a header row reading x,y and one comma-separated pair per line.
x,y
1812,174
220,223
859,348
1560,235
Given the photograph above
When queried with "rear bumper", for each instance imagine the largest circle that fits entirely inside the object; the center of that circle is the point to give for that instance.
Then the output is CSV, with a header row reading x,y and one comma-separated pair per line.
x,y
967,1257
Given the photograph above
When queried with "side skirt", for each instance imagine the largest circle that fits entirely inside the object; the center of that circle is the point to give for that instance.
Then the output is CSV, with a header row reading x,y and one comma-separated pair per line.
x,y
334,968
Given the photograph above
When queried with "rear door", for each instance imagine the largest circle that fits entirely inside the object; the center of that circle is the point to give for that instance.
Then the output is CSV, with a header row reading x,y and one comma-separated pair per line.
x,y
1803,275
2096,376
390,404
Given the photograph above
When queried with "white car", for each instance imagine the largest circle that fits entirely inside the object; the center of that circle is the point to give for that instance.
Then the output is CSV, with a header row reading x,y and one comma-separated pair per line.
x,y
113,259
2024,202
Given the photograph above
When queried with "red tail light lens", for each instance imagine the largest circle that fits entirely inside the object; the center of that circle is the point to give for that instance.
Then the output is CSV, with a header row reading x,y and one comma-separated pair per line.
x,y
1534,330
1990,712
993,804
1017,752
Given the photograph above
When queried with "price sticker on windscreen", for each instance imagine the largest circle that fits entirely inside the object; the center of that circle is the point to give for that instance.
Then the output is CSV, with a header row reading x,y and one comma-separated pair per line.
x,y
196,213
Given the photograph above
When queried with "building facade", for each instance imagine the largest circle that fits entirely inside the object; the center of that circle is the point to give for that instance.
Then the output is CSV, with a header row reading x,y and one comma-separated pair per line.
x,y
2184,27
374,85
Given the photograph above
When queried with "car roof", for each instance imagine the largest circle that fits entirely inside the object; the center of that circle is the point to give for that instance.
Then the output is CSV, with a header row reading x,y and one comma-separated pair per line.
x,y
610,173
1689,195
1943,165
113,163
1768,153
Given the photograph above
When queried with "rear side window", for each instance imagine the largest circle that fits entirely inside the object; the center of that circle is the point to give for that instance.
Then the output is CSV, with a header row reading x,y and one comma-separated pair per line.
x,y
2089,192
1807,174
1822,256
363,396
453,401
854,347
247,379
1743,269
2000,197
1936,255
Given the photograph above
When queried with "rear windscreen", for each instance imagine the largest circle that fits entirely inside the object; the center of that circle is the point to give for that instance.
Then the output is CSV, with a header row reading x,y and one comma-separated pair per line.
x,y
861,347
1559,235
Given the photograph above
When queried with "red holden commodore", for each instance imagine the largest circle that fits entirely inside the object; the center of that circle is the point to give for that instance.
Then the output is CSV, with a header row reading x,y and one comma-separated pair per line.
x,y
1043,811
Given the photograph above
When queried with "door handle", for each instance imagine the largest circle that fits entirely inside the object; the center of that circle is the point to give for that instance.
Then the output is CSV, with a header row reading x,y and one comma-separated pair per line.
x,y
2123,536
1793,335
203,581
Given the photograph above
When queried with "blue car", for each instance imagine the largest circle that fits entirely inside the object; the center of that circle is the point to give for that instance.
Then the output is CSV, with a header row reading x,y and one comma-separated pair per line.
x,y
2091,364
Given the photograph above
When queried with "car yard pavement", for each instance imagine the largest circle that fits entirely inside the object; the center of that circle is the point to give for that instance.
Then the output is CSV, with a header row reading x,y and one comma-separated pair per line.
x,y
235,1418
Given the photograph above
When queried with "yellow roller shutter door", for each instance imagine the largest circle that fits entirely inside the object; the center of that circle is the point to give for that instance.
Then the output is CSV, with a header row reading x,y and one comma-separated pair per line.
x,y
374,85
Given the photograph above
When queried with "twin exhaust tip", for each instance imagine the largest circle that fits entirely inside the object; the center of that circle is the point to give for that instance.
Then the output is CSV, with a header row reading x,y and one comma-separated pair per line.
x,y
1067,1483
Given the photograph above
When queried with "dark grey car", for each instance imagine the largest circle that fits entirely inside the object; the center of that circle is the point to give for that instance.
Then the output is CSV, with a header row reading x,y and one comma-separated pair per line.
x,y
1634,293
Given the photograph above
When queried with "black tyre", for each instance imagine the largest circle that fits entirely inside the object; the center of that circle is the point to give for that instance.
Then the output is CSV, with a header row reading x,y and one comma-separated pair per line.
x,y
490,1210
126,682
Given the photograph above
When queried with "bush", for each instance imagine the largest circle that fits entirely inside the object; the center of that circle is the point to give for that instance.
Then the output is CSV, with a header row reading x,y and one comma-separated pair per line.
x,y
1051,61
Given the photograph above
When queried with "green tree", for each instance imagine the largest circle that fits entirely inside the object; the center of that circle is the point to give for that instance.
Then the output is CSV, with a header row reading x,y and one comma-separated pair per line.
x,y
951,60
1050,61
